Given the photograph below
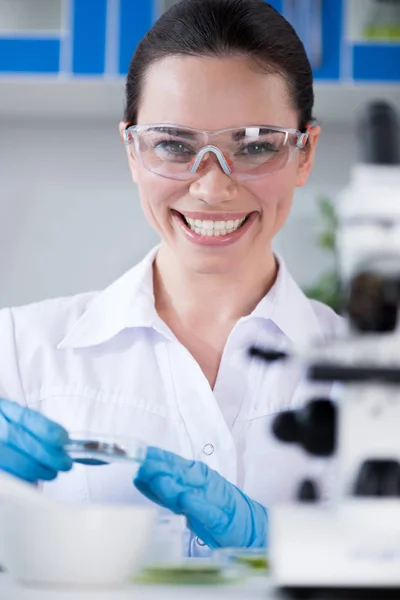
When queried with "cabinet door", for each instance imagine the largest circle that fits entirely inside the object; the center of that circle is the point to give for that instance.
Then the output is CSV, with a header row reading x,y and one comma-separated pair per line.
x,y
373,39
136,18
319,25
89,25
377,62
53,36
332,18
30,56
30,36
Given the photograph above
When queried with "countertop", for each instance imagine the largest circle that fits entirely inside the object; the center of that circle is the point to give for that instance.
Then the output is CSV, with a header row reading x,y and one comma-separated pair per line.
x,y
255,588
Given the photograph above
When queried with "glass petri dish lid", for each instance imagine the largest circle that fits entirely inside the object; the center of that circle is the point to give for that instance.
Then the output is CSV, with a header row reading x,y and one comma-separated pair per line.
x,y
90,448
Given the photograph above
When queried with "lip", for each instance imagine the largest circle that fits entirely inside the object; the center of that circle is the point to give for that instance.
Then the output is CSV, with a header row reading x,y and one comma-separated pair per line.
x,y
206,240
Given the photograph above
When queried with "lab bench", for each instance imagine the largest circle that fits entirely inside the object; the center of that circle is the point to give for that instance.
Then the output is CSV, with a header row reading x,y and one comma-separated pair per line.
x,y
255,588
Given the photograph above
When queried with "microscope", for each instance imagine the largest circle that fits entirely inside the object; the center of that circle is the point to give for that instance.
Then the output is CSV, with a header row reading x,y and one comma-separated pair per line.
x,y
351,543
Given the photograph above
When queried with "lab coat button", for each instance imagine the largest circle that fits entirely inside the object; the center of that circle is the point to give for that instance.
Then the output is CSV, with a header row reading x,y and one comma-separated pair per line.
x,y
208,449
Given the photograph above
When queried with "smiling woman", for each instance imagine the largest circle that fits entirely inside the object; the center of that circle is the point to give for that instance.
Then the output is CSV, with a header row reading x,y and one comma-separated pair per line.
x,y
218,131
236,115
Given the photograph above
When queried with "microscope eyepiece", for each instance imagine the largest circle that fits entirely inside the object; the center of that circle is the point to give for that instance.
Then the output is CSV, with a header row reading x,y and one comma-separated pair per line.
x,y
378,132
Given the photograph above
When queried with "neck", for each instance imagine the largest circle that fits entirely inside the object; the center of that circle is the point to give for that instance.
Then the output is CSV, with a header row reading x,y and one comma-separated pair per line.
x,y
204,297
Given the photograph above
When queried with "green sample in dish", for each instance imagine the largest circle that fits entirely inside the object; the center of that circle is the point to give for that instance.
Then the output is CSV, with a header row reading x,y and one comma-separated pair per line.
x,y
184,574
258,563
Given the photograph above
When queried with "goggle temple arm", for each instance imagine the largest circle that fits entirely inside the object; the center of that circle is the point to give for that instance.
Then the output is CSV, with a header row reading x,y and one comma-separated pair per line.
x,y
303,138
125,136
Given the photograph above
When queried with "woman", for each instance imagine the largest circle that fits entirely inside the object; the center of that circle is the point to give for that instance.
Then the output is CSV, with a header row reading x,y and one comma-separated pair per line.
x,y
219,132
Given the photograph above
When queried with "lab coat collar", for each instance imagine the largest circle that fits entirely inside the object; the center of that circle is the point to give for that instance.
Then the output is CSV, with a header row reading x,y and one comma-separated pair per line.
x,y
289,309
129,302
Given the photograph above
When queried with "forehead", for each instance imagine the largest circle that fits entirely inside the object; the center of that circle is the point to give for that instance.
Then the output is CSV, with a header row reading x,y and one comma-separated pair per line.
x,y
214,93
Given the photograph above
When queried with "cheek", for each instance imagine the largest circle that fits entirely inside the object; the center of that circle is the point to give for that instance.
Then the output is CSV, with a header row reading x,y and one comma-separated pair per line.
x,y
275,195
156,196
275,192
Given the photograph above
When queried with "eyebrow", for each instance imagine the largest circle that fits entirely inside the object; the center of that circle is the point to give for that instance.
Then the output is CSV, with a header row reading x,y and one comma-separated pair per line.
x,y
174,132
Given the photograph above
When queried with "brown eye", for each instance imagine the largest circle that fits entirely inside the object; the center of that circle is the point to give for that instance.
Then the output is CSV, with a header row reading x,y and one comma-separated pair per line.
x,y
258,148
174,148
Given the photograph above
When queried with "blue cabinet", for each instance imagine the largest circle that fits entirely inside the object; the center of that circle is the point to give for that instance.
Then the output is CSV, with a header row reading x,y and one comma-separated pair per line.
x,y
99,37
136,18
27,55
319,26
376,62
89,33
331,30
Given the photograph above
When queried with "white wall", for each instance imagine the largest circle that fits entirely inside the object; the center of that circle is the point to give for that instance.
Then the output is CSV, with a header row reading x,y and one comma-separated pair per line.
x,y
70,215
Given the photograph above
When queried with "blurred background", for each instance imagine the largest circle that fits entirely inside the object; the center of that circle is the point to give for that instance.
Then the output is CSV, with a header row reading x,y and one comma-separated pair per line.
x,y
69,213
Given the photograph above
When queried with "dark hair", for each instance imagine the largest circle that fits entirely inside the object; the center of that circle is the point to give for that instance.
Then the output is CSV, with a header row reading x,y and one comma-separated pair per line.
x,y
221,28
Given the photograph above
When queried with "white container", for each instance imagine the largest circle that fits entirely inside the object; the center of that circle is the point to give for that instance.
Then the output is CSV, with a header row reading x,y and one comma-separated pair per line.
x,y
170,541
59,544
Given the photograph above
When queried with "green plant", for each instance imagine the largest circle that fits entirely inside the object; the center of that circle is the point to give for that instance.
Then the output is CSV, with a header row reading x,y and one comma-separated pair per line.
x,y
327,288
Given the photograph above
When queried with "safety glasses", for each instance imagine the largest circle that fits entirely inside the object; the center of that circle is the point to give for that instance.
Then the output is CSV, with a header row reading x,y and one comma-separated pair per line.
x,y
181,153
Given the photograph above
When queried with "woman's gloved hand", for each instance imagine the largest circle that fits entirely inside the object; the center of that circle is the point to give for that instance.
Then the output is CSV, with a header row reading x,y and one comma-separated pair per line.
x,y
31,446
216,510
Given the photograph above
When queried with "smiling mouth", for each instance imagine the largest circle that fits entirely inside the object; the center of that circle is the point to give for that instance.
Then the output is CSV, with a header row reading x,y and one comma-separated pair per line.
x,y
211,228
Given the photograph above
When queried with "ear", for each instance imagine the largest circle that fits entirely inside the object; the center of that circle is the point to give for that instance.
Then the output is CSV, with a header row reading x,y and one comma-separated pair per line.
x,y
307,156
131,159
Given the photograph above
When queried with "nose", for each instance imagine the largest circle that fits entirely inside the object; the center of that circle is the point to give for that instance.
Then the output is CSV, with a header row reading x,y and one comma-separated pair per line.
x,y
214,186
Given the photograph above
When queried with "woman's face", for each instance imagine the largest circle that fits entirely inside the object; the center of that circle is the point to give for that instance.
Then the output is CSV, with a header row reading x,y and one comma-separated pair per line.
x,y
213,94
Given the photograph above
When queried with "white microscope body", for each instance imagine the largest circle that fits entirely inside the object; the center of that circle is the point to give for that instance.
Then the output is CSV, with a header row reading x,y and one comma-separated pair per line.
x,y
354,540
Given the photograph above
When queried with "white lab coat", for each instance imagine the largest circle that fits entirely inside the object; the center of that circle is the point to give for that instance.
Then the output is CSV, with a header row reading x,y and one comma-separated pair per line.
x,y
105,363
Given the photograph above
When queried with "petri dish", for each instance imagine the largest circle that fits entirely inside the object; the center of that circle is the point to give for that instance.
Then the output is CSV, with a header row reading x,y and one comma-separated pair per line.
x,y
254,560
189,572
93,449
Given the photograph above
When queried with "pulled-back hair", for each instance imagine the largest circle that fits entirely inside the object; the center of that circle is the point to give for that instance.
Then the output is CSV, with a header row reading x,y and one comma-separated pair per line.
x,y
223,28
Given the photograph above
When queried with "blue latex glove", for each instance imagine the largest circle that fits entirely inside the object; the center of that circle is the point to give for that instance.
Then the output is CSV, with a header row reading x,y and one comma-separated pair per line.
x,y
31,446
216,510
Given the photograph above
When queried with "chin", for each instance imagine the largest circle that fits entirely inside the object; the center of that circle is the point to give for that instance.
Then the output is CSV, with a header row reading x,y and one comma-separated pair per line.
x,y
208,263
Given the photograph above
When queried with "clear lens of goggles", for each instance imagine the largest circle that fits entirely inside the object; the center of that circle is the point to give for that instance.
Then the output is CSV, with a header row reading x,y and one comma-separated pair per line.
x,y
243,153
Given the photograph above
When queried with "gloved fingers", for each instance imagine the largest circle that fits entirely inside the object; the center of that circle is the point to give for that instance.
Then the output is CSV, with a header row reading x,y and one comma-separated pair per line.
x,y
150,469
154,453
211,516
221,492
34,422
53,458
146,490
165,490
188,472
162,489
22,466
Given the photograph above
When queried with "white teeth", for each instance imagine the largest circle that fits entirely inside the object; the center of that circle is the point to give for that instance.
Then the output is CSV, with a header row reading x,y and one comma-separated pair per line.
x,y
213,228
219,225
